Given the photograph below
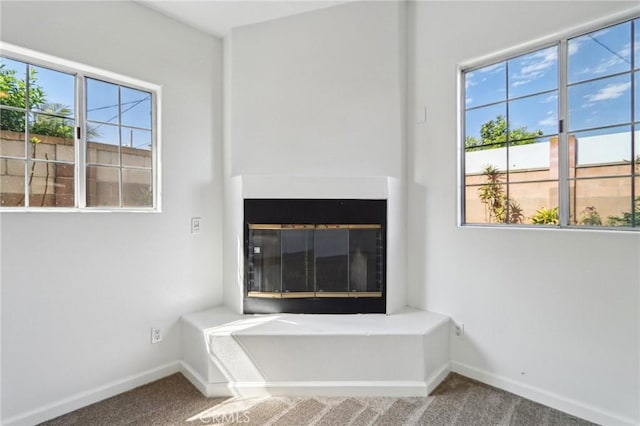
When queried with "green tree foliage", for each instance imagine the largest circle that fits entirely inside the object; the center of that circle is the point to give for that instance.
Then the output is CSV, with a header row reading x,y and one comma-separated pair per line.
x,y
13,93
493,134
627,218
54,124
13,90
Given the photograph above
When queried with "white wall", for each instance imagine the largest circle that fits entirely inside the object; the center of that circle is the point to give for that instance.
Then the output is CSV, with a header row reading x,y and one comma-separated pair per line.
x,y
81,291
545,312
320,95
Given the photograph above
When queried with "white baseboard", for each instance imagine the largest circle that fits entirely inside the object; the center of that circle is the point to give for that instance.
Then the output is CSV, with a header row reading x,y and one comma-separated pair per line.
x,y
437,377
335,388
550,399
308,388
91,396
205,388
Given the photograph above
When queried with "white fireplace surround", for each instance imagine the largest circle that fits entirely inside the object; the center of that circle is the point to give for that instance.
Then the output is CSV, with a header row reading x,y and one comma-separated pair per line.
x,y
315,187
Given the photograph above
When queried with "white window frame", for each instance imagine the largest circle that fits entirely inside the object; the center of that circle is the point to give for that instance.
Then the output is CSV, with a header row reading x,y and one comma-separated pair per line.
x,y
81,72
561,40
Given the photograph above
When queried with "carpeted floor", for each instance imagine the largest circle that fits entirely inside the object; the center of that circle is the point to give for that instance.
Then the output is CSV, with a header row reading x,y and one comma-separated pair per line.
x,y
457,401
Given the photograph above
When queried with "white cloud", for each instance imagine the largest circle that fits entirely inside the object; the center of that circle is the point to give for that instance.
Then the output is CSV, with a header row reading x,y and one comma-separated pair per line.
x,y
468,82
606,64
478,76
603,67
534,66
599,33
550,120
520,83
589,37
550,98
547,58
574,46
492,68
625,52
610,91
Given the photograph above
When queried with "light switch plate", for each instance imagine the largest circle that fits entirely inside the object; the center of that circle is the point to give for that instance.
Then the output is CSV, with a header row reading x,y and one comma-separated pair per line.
x,y
195,225
421,115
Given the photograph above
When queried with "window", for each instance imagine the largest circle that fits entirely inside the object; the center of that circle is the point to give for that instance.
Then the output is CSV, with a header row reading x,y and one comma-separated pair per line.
x,y
552,137
119,145
74,139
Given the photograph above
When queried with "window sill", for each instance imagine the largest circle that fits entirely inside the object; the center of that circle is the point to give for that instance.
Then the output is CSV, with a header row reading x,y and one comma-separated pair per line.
x,y
620,230
76,210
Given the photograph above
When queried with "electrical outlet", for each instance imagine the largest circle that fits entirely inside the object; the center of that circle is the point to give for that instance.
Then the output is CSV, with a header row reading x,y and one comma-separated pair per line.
x,y
156,335
458,329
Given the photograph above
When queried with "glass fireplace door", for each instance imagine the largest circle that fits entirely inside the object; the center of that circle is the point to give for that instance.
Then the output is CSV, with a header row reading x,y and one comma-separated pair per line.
x,y
365,260
332,260
265,261
297,261
315,261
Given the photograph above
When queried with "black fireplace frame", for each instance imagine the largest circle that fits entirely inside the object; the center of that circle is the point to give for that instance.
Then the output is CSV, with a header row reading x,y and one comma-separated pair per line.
x,y
321,211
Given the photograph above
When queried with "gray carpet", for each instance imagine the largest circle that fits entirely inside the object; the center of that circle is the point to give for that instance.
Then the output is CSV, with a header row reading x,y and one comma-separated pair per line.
x,y
457,401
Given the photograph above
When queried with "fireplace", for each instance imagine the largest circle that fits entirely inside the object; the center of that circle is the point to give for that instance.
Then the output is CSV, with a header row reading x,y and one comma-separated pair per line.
x,y
320,256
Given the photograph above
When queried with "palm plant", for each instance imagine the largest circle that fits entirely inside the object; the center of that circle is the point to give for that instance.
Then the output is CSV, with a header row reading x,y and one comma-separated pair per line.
x,y
545,216
627,218
498,207
590,217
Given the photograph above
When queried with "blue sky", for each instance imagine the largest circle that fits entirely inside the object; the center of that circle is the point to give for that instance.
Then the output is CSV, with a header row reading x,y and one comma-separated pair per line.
x,y
102,107
598,103
102,104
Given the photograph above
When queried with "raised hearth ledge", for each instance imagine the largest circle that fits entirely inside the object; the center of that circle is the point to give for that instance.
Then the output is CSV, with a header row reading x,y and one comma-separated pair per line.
x,y
229,354
315,187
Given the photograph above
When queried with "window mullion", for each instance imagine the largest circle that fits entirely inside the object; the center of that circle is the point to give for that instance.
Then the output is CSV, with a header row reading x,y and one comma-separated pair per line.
x,y
563,140
507,206
155,152
27,107
120,171
81,159
632,77
462,152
